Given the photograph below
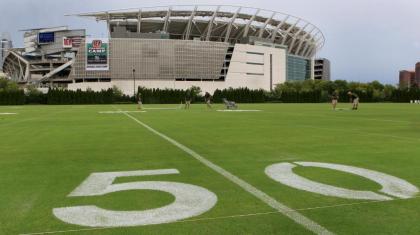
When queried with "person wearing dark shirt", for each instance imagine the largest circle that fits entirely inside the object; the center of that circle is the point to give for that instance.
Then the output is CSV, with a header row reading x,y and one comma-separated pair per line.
x,y
334,100
187,100
354,98
207,98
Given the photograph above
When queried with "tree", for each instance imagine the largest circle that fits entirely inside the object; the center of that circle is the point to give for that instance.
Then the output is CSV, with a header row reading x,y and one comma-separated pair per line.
x,y
388,92
117,92
8,85
3,76
341,85
376,85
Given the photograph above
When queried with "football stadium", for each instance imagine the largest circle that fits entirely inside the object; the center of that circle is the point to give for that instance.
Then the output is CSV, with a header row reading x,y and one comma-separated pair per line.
x,y
211,47
82,159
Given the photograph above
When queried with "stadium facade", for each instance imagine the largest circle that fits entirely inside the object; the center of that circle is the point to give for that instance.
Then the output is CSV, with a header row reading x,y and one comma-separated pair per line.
x,y
46,58
212,47
5,45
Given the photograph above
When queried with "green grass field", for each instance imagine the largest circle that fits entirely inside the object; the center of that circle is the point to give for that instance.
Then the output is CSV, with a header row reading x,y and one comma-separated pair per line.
x,y
46,152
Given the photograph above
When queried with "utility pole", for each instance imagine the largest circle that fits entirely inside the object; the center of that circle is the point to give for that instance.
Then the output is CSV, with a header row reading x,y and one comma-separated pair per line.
x,y
134,83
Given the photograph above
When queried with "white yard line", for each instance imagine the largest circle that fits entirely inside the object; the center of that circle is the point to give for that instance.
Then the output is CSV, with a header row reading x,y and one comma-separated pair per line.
x,y
283,209
161,108
238,110
119,112
8,113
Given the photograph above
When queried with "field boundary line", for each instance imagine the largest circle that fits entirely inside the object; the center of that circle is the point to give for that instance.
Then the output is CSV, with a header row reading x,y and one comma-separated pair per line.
x,y
283,209
231,216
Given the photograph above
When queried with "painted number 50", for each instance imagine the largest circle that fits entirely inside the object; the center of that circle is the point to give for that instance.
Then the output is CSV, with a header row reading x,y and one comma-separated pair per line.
x,y
190,200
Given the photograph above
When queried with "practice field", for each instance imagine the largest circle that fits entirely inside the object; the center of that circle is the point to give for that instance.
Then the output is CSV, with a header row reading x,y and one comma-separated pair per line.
x,y
267,169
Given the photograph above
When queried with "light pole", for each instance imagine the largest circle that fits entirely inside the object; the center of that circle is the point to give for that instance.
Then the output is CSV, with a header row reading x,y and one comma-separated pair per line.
x,y
134,83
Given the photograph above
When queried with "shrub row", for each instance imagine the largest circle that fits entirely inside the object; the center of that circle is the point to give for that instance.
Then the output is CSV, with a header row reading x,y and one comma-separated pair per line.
x,y
13,97
300,97
56,96
404,96
161,96
62,97
172,96
240,95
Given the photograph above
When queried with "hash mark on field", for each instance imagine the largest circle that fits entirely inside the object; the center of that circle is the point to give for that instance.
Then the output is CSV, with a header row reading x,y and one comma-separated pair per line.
x,y
34,118
231,216
283,209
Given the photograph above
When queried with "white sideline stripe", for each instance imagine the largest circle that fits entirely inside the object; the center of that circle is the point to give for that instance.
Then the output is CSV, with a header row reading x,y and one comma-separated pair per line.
x,y
238,110
118,112
161,108
8,113
230,216
289,212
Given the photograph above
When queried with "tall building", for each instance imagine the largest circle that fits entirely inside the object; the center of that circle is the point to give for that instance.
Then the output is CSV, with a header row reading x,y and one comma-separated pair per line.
x,y
410,79
407,79
418,73
5,45
322,69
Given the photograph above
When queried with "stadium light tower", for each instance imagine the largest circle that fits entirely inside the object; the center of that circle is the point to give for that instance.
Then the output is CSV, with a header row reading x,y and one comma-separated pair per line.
x,y
134,83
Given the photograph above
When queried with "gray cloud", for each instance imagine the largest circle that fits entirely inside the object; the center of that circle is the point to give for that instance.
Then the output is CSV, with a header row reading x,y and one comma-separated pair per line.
x,y
365,39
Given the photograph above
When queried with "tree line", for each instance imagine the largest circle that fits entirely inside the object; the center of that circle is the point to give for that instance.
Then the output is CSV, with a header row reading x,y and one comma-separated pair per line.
x,y
308,91
311,91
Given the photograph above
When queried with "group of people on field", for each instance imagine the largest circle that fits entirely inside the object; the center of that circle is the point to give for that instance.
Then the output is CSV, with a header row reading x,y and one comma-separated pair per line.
x,y
188,99
354,99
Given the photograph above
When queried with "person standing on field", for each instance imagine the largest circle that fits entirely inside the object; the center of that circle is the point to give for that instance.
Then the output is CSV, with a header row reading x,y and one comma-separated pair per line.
x,y
207,98
188,100
334,99
355,99
139,102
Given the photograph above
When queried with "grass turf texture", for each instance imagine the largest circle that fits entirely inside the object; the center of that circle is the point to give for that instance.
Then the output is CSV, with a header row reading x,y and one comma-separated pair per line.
x,y
47,151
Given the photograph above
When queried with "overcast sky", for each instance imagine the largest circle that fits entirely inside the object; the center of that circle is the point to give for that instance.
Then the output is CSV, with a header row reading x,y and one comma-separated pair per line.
x,y
365,39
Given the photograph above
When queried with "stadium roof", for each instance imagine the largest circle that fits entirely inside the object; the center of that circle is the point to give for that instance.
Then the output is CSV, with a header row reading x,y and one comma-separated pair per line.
x,y
220,23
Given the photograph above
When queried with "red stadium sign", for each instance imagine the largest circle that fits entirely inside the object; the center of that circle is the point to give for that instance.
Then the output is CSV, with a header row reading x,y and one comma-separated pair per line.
x,y
97,44
67,43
